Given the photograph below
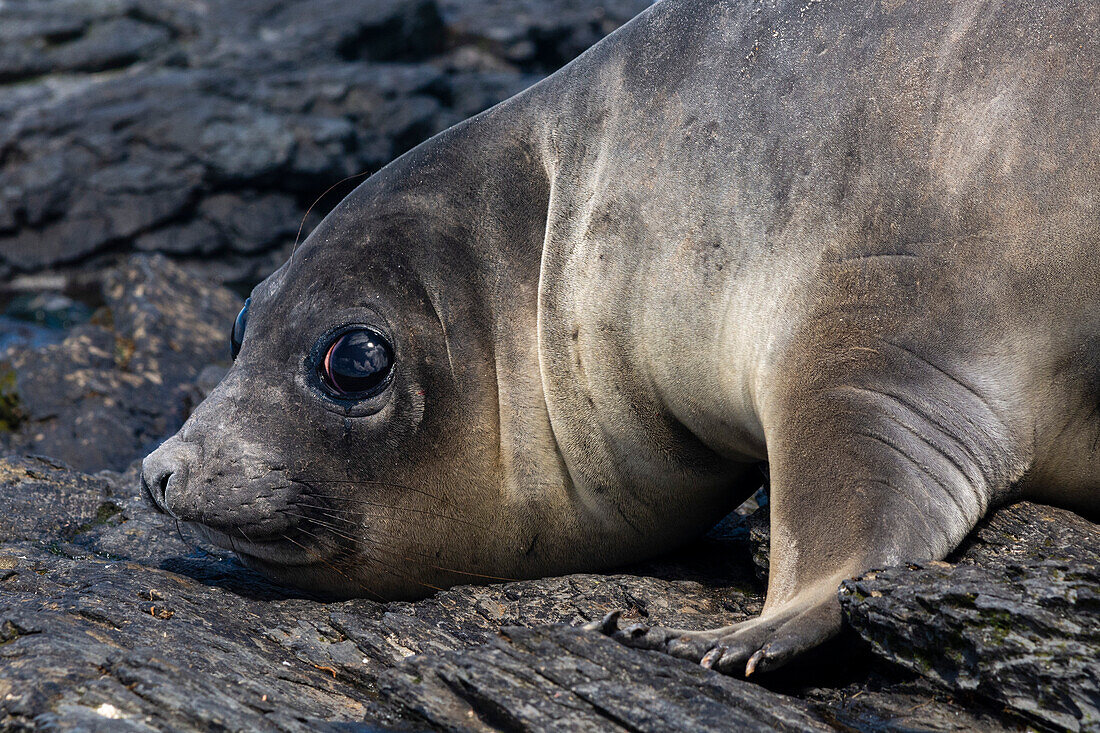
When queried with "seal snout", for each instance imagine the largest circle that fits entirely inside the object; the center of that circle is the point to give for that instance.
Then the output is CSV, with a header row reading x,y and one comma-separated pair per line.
x,y
164,474
233,492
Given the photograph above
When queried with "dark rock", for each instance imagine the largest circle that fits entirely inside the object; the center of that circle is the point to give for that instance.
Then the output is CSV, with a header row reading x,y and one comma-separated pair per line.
x,y
881,702
126,124
76,500
252,223
1027,532
1022,628
197,236
760,536
566,679
167,142
114,387
749,527
536,36
402,30
470,92
49,37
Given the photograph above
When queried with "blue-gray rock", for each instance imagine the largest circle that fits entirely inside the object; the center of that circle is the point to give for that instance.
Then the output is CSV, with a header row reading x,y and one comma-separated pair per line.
x,y
1016,621
123,123
114,387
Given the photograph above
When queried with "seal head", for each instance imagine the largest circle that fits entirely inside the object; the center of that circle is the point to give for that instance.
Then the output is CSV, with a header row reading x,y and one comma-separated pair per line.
x,y
383,430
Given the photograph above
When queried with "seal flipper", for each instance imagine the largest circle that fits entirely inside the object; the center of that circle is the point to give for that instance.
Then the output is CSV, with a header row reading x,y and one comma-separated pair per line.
x,y
869,471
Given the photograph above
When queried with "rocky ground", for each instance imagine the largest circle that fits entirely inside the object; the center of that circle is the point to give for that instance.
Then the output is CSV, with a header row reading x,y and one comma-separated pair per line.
x,y
202,131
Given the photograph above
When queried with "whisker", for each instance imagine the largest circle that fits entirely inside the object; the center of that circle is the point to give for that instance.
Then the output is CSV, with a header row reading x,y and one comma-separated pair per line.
x,y
392,568
336,530
353,518
326,563
344,535
314,536
330,512
453,570
316,557
305,216
400,508
190,545
466,573
375,483
332,527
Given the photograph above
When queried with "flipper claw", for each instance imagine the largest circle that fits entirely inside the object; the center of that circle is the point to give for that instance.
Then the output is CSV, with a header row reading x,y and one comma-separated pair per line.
x,y
754,660
608,625
711,657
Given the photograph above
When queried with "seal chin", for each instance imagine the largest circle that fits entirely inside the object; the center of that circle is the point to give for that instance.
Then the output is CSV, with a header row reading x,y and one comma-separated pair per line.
x,y
275,552
327,578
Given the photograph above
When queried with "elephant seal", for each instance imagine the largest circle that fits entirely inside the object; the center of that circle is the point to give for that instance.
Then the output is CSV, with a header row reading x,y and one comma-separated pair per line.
x,y
855,240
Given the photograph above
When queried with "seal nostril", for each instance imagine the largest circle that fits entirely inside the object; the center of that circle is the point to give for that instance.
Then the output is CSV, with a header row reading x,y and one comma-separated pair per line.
x,y
162,486
167,466
155,488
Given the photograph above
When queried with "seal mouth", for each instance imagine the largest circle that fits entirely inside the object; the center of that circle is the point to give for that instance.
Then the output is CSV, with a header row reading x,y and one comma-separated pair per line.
x,y
282,551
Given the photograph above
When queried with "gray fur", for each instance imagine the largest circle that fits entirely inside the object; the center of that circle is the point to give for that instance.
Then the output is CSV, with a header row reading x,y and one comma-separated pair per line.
x,y
858,240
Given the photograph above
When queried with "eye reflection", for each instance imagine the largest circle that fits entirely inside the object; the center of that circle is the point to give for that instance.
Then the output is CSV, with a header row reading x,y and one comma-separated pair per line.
x,y
356,363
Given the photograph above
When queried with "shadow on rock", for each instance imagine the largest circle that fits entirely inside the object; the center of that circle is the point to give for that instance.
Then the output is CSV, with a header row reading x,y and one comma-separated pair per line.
x,y
230,575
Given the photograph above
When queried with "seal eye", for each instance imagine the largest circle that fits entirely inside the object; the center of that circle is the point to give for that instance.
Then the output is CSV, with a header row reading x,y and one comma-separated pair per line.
x,y
356,363
236,334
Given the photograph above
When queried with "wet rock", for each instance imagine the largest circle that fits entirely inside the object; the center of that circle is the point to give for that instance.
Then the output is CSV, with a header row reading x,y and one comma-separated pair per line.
x,y
109,611
39,320
115,386
1017,621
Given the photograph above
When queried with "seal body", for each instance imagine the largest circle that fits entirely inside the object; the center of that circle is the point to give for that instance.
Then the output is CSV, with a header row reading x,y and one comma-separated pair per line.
x,y
859,242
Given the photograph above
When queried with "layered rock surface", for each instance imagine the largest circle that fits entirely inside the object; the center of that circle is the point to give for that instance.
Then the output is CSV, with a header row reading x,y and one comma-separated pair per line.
x,y
203,129
1016,621
114,387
